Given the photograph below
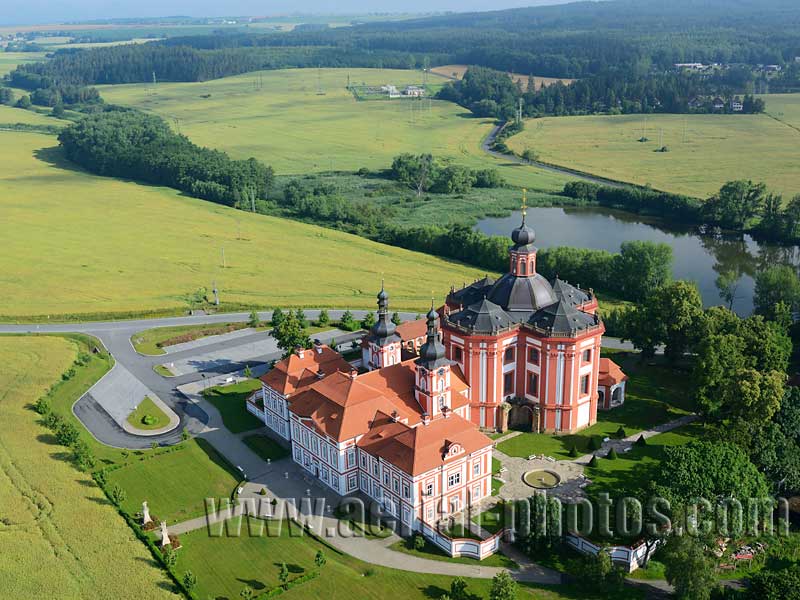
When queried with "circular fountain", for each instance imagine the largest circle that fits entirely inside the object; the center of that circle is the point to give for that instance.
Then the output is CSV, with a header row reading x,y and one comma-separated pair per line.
x,y
542,479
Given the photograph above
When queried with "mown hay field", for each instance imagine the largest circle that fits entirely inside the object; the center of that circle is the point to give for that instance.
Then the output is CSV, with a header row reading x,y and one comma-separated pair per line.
x,y
713,150
74,243
280,118
61,538
458,72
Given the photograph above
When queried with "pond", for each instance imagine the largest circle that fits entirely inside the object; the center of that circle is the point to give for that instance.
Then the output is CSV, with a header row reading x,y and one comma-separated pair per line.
x,y
697,257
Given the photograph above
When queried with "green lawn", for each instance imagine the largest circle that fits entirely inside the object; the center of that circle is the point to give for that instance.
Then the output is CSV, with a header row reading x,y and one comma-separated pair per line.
x,y
265,446
492,520
633,470
150,341
175,483
163,371
288,125
704,150
230,402
225,565
654,395
434,553
148,416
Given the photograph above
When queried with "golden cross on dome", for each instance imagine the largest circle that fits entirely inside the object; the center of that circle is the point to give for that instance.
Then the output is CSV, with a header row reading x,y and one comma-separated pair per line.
x,y
524,202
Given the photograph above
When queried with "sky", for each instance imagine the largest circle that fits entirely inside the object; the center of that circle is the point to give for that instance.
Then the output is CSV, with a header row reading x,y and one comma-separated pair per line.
x,y
17,12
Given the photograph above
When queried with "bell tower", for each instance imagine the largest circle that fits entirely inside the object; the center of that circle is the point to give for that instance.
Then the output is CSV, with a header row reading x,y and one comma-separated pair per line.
x,y
522,254
383,345
433,373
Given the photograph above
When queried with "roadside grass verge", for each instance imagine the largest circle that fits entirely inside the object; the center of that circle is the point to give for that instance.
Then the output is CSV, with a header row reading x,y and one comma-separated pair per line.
x,y
230,401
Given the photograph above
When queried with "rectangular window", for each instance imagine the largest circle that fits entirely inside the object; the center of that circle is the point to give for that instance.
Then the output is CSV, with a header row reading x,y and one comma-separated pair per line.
x,y
476,468
406,491
458,355
351,458
508,357
363,461
386,479
585,384
533,356
533,384
454,479
396,485
429,489
352,482
587,355
508,383
375,467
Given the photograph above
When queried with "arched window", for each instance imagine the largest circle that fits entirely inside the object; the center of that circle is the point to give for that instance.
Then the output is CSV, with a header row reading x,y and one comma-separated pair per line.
x,y
522,269
441,384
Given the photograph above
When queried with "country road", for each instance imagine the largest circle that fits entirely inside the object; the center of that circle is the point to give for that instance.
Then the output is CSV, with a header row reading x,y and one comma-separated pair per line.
x,y
486,146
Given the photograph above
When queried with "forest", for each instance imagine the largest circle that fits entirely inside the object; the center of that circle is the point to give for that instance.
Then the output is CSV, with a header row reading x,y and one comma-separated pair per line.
x,y
135,145
578,40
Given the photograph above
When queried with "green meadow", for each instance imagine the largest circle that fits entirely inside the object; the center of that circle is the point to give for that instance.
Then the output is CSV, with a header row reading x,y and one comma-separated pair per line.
x,y
705,151
280,118
10,60
61,538
77,244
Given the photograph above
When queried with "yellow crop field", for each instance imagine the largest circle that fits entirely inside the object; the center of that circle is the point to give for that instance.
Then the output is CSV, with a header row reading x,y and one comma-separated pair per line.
x,y
61,538
74,243
705,151
280,118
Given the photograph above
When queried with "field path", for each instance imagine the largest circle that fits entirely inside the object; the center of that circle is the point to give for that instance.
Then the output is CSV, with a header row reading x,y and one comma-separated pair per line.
x,y
486,146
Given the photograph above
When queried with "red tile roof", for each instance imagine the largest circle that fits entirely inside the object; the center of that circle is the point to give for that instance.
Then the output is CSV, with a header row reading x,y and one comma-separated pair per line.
x,y
295,373
411,330
610,373
343,407
416,450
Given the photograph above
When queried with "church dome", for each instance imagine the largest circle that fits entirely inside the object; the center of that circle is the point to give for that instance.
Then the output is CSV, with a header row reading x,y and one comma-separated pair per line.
x,y
522,294
523,235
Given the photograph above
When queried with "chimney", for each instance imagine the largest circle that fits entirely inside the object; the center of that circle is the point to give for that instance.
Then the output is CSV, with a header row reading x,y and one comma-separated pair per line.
x,y
320,373
446,412
300,351
353,374
318,346
395,416
426,418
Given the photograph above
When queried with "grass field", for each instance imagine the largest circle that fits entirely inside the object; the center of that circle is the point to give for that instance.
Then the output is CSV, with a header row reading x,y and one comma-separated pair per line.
x,y
225,565
653,395
175,483
458,71
265,447
61,538
80,244
148,416
230,400
10,115
10,60
286,123
717,148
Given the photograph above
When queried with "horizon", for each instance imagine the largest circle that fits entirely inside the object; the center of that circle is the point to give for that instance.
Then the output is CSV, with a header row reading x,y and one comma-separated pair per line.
x,y
61,12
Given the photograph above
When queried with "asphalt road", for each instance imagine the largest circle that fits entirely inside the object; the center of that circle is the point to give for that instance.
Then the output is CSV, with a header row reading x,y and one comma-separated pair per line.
x,y
116,335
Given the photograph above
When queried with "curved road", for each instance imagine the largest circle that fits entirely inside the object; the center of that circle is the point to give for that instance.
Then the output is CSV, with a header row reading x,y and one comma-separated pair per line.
x,y
486,146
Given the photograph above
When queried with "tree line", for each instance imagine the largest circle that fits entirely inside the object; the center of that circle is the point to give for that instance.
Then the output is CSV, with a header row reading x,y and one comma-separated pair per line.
x,y
618,90
742,206
135,145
